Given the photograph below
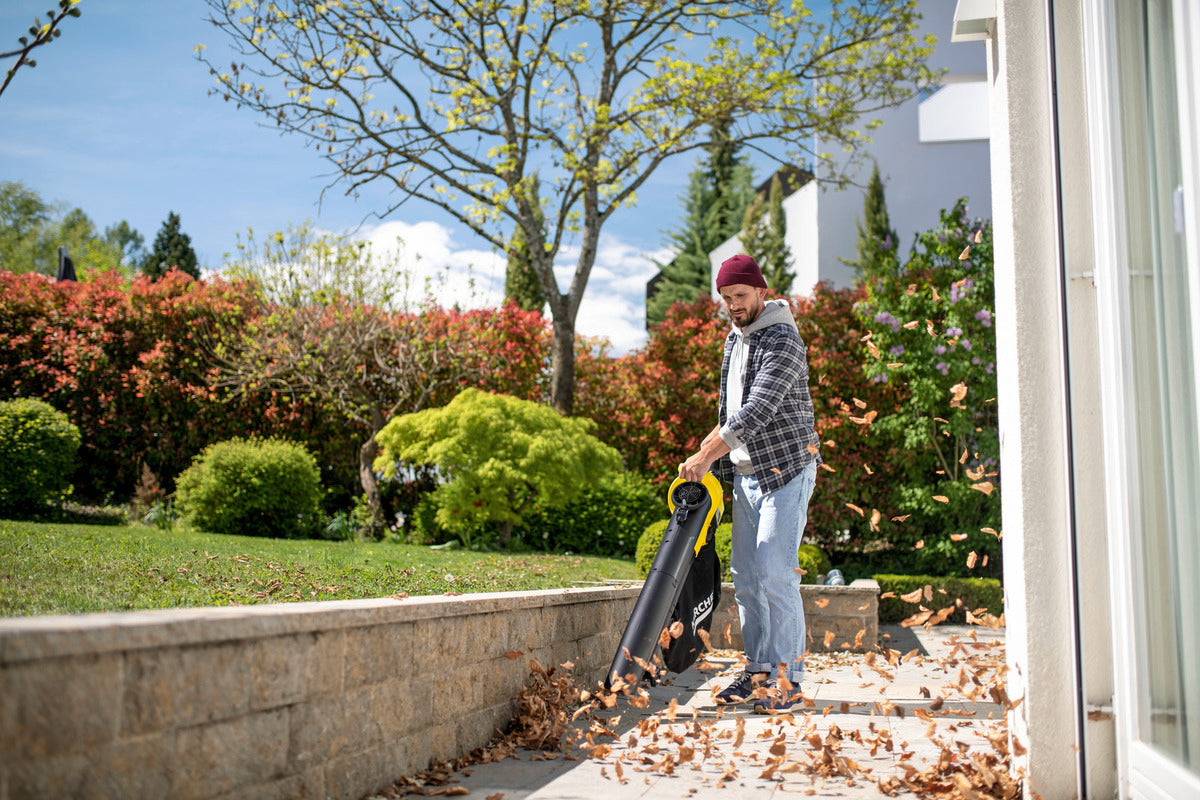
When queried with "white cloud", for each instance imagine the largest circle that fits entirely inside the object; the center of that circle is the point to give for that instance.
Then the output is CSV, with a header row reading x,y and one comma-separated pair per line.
x,y
454,274
458,273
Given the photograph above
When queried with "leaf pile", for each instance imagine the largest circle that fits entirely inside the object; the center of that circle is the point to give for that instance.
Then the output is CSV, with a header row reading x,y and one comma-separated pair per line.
x,y
970,759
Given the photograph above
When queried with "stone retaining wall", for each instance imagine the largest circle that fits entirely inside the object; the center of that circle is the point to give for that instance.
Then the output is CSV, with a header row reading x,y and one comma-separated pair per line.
x,y
305,700
836,617
332,699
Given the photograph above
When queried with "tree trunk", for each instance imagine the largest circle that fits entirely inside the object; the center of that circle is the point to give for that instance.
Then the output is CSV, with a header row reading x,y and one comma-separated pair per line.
x,y
562,366
366,472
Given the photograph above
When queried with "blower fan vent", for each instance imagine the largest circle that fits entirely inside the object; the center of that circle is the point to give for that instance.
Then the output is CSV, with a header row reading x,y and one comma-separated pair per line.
x,y
689,494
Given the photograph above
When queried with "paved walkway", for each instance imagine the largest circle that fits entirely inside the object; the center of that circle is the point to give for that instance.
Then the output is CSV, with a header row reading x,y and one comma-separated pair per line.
x,y
868,718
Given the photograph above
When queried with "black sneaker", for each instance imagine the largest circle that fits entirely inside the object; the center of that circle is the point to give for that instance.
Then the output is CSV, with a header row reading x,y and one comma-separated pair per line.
x,y
776,700
741,689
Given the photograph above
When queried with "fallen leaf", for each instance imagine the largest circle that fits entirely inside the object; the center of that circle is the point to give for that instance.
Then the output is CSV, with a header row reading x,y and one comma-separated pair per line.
x,y
966,252
958,392
971,559
856,509
984,486
920,543
941,498
957,537
513,655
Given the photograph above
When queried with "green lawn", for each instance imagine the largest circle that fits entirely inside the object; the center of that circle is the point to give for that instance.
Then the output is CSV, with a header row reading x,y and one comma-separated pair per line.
x,y
51,568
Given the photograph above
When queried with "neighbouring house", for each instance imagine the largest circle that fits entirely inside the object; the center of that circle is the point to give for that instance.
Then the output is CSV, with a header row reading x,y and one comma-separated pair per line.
x,y
931,150
1095,161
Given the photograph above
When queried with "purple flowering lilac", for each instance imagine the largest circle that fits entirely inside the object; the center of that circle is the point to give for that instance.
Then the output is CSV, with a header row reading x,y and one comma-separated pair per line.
x,y
960,289
984,316
940,350
897,350
943,367
884,318
954,331
965,345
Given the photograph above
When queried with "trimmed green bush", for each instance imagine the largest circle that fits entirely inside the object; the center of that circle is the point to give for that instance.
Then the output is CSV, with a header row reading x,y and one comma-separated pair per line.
x,y
38,445
606,520
975,593
253,487
811,557
818,561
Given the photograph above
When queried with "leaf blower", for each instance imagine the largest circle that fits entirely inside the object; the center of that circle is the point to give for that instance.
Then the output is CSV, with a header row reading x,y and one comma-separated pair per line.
x,y
682,590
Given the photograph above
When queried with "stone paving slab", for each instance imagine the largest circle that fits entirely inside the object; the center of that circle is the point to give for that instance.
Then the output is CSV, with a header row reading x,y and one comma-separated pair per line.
x,y
841,692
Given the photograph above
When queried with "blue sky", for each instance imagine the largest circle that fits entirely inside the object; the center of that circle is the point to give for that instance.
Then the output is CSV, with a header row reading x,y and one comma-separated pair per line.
x,y
116,119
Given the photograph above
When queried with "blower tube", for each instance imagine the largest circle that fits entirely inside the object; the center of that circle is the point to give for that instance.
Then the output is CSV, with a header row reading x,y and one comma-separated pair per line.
x,y
695,514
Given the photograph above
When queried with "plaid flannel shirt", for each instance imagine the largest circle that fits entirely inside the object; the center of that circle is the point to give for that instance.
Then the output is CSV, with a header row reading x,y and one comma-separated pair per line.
x,y
776,420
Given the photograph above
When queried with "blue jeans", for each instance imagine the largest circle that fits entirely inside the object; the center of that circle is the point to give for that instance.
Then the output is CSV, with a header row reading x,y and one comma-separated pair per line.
x,y
766,536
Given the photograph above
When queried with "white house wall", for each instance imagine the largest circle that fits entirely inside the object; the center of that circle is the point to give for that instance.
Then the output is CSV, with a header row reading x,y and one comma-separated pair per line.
x,y
1031,380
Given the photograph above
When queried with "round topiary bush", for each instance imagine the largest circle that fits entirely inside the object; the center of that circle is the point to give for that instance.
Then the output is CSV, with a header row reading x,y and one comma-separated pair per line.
x,y
253,487
38,445
812,558
651,538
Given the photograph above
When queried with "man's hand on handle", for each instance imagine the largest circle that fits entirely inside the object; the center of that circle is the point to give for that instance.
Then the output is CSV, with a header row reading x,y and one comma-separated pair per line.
x,y
712,448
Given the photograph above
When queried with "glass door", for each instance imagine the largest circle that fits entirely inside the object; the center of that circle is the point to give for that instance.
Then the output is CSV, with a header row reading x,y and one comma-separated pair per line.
x,y
1151,280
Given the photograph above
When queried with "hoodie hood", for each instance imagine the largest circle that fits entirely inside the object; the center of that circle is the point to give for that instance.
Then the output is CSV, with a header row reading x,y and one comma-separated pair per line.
x,y
775,312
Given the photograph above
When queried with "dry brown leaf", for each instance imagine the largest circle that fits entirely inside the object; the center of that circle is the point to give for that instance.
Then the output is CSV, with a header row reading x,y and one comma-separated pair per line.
x,y
920,543
958,392
908,326
912,597
876,516
966,252
858,402
972,557
984,486
941,498
856,509
822,602
513,655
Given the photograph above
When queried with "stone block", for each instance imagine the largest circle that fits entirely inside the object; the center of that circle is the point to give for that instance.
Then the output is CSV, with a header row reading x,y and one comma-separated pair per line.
x,y
133,769
331,727
181,687
58,706
291,669
307,784
477,728
365,773
372,654
219,757
393,713
437,742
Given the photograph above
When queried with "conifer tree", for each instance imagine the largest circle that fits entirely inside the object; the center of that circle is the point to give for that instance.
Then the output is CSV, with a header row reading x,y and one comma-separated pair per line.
x,y
877,241
172,248
521,283
714,204
764,230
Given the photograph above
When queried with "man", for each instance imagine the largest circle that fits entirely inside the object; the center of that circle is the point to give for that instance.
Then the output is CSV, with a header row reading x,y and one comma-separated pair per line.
x,y
766,446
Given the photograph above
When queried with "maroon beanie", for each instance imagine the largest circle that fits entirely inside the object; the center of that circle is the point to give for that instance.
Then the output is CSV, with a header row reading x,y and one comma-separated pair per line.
x,y
740,269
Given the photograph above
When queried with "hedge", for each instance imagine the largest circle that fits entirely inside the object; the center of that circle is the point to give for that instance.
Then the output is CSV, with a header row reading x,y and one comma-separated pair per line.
x,y
812,559
975,593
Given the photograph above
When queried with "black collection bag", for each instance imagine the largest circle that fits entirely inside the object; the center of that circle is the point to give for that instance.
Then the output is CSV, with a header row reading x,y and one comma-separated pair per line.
x,y
697,605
